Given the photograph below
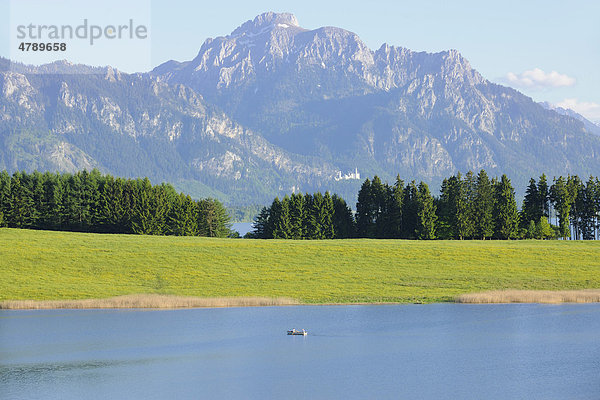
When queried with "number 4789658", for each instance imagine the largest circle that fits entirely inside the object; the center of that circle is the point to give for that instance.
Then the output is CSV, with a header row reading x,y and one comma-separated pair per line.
x,y
42,46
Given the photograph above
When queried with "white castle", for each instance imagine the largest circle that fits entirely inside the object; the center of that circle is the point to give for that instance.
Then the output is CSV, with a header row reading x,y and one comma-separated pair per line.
x,y
351,175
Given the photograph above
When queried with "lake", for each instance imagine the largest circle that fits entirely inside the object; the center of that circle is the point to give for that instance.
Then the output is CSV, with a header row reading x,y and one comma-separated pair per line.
x,y
437,351
242,227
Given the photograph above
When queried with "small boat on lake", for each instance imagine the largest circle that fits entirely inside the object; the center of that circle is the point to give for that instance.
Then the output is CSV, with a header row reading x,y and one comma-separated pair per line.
x,y
295,332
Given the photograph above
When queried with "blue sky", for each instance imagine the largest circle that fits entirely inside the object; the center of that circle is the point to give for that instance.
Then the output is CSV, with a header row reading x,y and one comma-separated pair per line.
x,y
549,50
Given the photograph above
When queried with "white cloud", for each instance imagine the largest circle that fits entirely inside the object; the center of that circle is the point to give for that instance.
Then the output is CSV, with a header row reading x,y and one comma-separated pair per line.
x,y
588,109
538,79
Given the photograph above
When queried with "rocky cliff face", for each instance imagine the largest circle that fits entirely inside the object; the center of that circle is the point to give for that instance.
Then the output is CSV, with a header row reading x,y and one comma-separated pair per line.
x,y
135,125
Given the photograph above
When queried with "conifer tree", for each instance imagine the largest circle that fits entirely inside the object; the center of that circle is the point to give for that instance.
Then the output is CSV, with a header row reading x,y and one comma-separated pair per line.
x,y
129,194
466,207
506,215
343,222
261,225
310,223
51,213
544,195
426,221
316,211
587,209
161,198
21,203
575,188
36,186
213,219
594,207
410,210
5,197
394,209
110,205
379,202
442,205
532,206
142,218
72,202
561,200
274,218
297,216
282,222
326,217
451,200
483,207
365,211
187,217
543,229
91,186
531,232
596,201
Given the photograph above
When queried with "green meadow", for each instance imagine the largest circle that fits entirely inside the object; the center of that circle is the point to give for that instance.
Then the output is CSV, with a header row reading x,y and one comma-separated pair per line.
x,y
43,265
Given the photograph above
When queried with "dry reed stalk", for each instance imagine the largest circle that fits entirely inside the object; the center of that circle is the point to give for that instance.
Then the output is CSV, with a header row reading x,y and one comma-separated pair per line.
x,y
532,296
148,301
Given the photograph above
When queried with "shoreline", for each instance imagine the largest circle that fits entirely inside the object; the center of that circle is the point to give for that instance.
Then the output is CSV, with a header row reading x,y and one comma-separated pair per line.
x,y
163,302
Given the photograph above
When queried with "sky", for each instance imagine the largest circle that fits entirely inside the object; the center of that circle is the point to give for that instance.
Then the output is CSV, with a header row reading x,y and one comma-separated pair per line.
x,y
549,50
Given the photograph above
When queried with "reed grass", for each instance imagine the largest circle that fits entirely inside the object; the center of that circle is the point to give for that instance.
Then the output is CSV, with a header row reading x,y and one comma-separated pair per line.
x,y
532,296
148,301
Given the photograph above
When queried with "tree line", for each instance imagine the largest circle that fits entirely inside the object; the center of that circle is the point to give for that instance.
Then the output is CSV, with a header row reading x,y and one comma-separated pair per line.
x,y
305,216
93,202
469,207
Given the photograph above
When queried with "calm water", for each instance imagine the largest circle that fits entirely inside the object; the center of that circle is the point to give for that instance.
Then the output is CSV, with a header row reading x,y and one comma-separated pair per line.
x,y
441,351
242,227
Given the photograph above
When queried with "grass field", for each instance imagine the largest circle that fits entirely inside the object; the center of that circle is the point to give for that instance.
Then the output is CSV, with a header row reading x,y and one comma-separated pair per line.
x,y
45,265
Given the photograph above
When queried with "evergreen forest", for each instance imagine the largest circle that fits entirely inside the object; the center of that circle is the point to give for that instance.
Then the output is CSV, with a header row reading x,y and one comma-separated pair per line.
x,y
469,207
93,202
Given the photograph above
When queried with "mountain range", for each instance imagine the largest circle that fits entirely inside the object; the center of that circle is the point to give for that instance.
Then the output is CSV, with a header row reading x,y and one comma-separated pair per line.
x,y
589,125
274,108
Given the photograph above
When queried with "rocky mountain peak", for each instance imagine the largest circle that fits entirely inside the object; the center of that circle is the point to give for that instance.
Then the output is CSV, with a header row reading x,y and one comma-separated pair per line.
x,y
266,22
274,44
